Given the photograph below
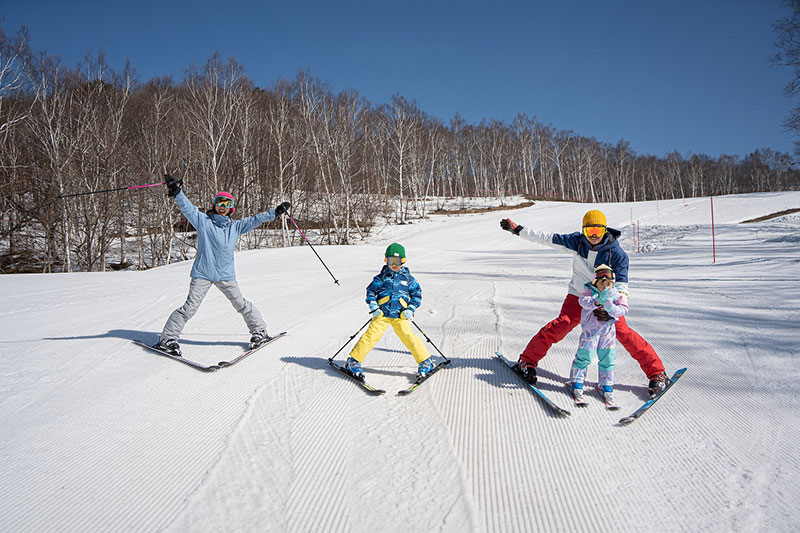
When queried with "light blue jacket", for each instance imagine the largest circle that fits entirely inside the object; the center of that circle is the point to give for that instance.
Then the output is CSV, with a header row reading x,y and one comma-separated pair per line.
x,y
216,239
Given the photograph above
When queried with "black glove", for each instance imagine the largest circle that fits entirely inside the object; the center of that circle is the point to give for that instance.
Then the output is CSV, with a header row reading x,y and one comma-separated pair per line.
x,y
173,185
282,208
508,225
601,314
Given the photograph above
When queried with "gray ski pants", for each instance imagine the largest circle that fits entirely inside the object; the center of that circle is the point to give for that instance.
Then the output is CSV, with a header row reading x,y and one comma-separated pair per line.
x,y
198,288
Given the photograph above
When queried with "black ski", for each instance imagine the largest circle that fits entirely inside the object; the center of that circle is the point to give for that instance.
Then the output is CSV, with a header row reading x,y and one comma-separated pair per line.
x,y
558,410
208,368
649,403
419,382
223,364
364,385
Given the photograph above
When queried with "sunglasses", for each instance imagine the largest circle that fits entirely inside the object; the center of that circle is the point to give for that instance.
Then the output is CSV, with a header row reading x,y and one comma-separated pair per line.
x,y
395,261
604,278
594,231
223,202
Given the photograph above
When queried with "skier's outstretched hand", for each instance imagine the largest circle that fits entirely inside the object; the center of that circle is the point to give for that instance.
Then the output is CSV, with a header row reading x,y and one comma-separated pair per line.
x,y
282,208
509,225
173,185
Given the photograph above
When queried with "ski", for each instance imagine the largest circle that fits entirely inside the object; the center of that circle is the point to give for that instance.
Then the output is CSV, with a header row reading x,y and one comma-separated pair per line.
x,y
202,367
649,403
364,385
558,410
223,364
579,401
419,382
193,364
610,404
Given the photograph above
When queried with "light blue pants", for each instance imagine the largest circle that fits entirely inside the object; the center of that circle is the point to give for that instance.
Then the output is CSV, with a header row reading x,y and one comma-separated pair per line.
x,y
602,342
198,288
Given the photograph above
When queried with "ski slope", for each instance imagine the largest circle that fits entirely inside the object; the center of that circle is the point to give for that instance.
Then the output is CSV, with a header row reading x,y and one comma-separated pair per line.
x,y
101,435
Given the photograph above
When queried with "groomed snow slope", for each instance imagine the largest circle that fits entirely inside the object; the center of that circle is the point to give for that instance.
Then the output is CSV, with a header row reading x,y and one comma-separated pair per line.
x,y
100,435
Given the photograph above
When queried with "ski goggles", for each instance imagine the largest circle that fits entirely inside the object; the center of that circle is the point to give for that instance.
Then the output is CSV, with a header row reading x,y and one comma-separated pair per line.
x,y
221,201
395,260
594,231
604,278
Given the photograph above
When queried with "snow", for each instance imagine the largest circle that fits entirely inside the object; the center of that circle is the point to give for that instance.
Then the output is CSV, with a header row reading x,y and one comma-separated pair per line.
x,y
101,435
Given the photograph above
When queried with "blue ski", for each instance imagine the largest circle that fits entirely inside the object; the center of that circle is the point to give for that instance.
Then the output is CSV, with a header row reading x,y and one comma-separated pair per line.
x,y
649,403
558,410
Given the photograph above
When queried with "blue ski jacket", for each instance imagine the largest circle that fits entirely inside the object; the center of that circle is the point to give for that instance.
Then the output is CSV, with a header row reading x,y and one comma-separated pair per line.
x,y
217,236
392,290
586,258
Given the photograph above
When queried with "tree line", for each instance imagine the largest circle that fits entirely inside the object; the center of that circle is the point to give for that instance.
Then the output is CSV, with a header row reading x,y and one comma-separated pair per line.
x,y
342,161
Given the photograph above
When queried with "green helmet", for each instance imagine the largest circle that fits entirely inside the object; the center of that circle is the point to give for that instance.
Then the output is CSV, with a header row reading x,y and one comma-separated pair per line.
x,y
395,250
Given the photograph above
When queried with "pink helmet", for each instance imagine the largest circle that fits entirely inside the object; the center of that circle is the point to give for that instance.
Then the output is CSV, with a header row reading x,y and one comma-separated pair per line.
x,y
225,196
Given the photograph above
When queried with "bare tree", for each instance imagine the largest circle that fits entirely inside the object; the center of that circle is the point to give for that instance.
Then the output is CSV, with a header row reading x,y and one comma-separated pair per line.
x,y
402,118
787,54
57,125
210,111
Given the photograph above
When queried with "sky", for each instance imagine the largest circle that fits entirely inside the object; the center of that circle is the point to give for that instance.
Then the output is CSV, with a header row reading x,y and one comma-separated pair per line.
x,y
688,75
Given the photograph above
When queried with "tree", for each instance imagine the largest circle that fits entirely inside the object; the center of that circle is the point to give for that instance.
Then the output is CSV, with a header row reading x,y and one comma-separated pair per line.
x,y
787,54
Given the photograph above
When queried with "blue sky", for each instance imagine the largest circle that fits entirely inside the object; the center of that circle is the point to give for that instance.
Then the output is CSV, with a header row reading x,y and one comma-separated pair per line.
x,y
692,76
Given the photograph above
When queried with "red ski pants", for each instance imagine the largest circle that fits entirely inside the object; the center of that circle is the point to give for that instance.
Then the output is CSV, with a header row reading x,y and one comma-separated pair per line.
x,y
569,318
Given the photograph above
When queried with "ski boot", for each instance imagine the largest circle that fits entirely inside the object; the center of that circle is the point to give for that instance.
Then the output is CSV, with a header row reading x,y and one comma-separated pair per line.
x,y
354,367
526,371
576,388
657,384
258,338
424,368
169,346
607,393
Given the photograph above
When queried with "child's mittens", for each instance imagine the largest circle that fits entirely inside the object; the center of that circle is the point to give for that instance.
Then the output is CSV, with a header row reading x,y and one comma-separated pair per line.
x,y
408,312
375,310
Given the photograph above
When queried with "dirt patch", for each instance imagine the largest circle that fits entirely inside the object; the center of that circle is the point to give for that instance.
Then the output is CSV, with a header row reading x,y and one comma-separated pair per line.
x,y
773,215
480,209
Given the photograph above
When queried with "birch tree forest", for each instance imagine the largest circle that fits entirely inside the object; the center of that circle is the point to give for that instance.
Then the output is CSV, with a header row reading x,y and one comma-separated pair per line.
x,y
344,162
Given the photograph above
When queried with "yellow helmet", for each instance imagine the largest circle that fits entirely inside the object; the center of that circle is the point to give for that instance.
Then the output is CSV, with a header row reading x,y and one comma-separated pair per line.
x,y
595,217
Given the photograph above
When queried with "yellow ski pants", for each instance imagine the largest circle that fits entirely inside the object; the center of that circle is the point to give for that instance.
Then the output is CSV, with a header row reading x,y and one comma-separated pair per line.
x,y
401,327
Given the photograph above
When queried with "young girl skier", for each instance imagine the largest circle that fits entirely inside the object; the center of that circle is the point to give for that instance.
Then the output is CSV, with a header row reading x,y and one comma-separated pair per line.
x,y
217,235
598,336
392,297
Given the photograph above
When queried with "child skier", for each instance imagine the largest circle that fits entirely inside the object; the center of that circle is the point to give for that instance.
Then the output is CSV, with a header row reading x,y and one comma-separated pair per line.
x,y
598,336
392,297
217,236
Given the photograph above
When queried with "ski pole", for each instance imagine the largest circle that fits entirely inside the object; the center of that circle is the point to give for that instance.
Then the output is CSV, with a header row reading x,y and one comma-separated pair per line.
x,y
405,306
430,341
315,252
330,359
110,190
